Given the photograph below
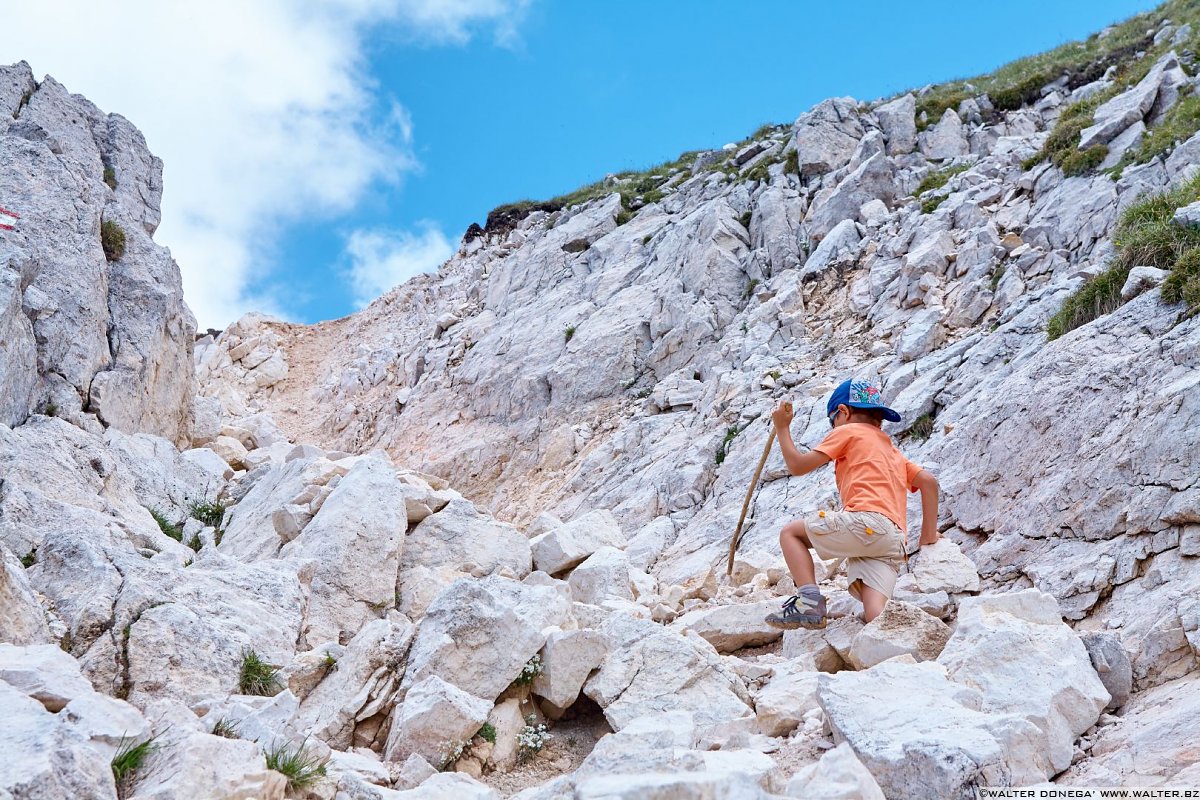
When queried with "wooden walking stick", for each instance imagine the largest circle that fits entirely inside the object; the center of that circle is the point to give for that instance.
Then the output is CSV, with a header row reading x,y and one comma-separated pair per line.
x,y
737,533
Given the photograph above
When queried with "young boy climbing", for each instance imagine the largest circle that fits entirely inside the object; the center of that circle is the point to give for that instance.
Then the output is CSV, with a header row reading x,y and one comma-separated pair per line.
x,y
869,531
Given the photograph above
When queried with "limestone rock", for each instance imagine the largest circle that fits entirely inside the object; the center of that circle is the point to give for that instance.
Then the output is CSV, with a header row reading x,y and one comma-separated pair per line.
x,y
458,536
1112,665
43,672
568,658
360,686
605,573
356,540
922,735
942,567
826,136
654,670
1140,279
731,627
946,139
871,180
456,638
838,775
448,786
433,720
566,547
1149,744
1026,661
780,706
1188,216
1130,106
22,621
840,246
900,629
45,757
898,120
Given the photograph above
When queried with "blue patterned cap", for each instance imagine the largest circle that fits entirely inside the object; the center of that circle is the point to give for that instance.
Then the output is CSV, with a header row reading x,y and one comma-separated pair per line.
x,y
860,393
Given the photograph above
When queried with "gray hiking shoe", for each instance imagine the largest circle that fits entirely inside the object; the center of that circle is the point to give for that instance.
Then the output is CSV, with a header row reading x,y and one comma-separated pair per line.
x,y
799,612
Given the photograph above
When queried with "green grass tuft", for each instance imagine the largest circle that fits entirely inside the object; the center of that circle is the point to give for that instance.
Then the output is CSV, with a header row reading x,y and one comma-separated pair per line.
x,y
932,204
921,428
302,768
723,449
210,514
112,239
997,274
487,732
568,332
51,410
226,728
130,758
1145,236
745,219
166,526
29,559
1081,162
750,287
936,179
110,178
257,677
791,164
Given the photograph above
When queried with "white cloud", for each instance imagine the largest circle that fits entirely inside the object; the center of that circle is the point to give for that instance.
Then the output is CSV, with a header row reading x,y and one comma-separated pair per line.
x,y
380,260
261,110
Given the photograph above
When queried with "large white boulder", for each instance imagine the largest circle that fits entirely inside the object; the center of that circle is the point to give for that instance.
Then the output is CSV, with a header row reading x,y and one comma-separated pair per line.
x,y
568,658
898,120
459,537
1129,107
22,620
872,180
1017,651
434,720
731,627
825,136
357,690
355,541
604,574
650,669
565,547
922,735
942,567
946,139
44,757
479,634
43,672
838,775
900,629
780,706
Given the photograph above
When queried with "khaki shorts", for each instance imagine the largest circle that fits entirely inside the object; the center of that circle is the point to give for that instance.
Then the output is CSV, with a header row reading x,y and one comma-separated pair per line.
x,y
870,542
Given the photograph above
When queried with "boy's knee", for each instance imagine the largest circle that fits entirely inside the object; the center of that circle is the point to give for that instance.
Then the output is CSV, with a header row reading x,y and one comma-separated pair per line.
x,y
794,530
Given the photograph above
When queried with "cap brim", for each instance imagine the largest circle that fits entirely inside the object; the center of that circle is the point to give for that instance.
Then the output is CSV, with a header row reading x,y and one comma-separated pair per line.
x,y
888,414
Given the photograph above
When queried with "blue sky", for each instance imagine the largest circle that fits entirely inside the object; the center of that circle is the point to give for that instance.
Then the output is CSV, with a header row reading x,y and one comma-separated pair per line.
x,y
318,151
595,88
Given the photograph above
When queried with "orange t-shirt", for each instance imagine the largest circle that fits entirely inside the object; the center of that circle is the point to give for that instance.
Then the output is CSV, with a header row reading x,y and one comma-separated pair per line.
x,y
871,473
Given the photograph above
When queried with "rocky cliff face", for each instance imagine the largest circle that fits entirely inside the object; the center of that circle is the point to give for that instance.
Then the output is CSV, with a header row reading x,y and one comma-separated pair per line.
x,y
101,341
470,541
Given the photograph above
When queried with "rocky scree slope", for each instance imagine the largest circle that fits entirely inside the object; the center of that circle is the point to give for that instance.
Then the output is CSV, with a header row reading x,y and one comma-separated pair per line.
x,y
568,362
244,583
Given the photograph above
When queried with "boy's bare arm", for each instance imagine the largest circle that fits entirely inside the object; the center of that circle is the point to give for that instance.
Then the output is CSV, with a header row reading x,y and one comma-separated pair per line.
x,y
928,486
797,463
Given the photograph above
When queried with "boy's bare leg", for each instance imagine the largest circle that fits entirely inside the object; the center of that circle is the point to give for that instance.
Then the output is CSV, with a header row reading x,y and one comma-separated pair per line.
x,y
873,601
793,540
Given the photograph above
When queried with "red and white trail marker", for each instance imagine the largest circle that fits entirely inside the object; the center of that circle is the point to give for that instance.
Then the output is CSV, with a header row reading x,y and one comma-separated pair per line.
x,y
6,218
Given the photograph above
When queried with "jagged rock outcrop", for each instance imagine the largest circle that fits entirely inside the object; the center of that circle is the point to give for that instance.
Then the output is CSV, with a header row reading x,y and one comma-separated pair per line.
x,y
98,339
